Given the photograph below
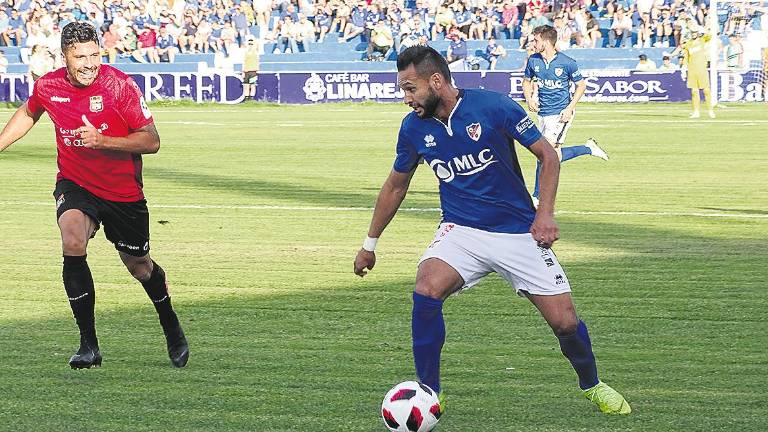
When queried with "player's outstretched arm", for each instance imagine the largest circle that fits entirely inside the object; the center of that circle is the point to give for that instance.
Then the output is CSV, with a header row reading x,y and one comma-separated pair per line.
x,y
544,229
140,141
390,197
18,126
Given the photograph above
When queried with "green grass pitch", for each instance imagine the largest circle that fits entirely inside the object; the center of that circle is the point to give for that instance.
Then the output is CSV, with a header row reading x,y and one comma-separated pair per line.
x,y
266,206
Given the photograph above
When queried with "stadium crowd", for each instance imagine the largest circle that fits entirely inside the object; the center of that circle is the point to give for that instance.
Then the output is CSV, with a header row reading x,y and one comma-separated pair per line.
x,y
155,30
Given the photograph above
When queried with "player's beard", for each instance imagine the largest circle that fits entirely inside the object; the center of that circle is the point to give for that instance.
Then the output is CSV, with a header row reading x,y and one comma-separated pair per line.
x,y
429,106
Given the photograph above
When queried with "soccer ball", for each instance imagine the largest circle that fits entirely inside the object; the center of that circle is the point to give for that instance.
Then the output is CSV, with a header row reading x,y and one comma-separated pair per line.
x,y
410,407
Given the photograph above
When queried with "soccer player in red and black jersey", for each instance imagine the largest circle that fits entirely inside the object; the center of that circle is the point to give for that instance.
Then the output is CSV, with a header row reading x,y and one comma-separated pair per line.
x,y
102,128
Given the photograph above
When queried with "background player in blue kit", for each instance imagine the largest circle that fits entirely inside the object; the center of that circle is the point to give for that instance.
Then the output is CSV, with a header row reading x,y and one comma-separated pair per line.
x,y
489,223
553,72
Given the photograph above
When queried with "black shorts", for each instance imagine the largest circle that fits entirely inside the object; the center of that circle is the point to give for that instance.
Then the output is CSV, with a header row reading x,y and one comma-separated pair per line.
x,y
126,224
250,77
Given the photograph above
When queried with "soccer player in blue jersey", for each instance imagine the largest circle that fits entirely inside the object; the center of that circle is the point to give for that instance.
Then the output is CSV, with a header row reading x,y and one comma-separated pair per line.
x,y
553,72
489,223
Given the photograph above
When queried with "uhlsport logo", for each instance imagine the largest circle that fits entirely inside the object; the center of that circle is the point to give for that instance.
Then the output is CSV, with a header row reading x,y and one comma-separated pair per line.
x,y
314,88
463,165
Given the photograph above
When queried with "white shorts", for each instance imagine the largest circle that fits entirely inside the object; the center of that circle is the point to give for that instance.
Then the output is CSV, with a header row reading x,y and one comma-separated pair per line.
x,y
553,130
474,253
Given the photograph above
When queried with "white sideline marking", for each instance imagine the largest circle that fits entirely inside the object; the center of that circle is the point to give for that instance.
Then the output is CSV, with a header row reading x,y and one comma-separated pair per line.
x,y
410,210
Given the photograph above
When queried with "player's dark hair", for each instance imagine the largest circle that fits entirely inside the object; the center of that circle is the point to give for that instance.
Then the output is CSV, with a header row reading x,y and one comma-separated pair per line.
x,y
78,32
426,60
547,32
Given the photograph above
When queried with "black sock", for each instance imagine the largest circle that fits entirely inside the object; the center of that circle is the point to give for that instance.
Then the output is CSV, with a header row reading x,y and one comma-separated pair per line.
x,y
158,292
78,283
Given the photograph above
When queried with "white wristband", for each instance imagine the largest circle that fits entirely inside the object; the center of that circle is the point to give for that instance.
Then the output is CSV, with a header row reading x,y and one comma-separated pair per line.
x,y
370,244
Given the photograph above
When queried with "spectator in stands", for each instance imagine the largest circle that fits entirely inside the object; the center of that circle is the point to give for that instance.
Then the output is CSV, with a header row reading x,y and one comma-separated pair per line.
x,y
147,46
323,22
340,12
188,37
457,49
479,25
40,62
373,16
127,45
14,32
381,41
5,27
538,19
356,22
443,20
166,46
509,17
143,20
564,33
494,25
493,52
667,65
682,28
109,41
462,18
644,64
620,33
262,9
214,40
305,32
734,52
228,37
3,63
526,33
645,28
240,24
250,67
418,27
664,27
285,41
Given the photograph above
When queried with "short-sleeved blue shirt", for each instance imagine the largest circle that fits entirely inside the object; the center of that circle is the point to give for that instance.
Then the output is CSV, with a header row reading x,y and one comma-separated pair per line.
x,y
554,81
474,159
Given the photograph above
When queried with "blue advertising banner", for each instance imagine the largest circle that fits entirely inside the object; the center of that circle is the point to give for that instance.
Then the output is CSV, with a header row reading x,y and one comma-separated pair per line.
x,y
304,88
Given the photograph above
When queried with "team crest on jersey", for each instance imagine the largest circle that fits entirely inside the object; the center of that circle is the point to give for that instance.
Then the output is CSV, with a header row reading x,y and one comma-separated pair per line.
x,y
558,71
97,104
474,130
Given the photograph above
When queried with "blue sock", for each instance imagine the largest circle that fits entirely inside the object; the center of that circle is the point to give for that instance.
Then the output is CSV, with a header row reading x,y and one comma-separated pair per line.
x,y
574,151
536,183
578,349
428,331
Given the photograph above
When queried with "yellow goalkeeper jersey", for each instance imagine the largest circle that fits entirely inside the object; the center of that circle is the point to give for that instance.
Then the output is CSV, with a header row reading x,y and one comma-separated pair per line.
x,y
696,54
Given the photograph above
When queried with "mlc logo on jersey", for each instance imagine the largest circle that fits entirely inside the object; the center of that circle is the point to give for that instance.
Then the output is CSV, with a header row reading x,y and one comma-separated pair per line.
x,y
463,165
474,130
97,104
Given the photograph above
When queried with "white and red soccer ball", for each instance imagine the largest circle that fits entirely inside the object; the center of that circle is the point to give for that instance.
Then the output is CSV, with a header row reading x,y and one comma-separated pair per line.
x,y
410,407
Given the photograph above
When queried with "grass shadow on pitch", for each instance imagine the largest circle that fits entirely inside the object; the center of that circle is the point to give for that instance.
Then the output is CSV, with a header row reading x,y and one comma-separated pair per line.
x,y
320,359
737,210
297,194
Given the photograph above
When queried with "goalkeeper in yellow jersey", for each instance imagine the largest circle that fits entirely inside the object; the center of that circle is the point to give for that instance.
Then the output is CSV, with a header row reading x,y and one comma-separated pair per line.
x,y
695,58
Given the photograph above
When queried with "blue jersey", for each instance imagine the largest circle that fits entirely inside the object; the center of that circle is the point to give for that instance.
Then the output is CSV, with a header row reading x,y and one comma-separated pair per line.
x,y
474,159
554,81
